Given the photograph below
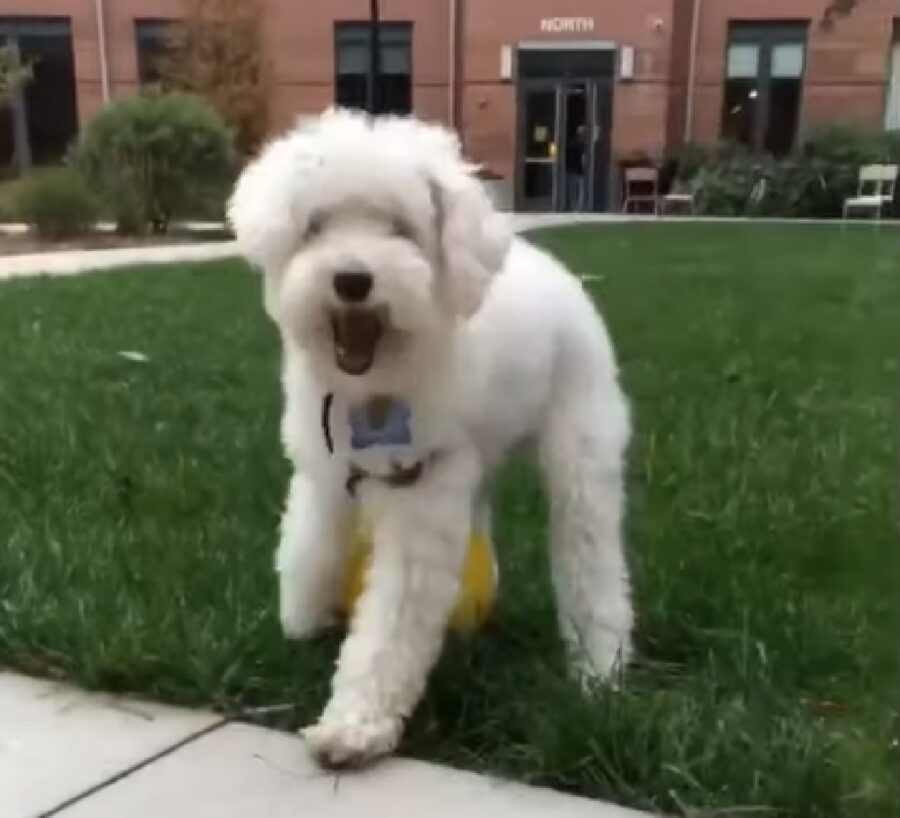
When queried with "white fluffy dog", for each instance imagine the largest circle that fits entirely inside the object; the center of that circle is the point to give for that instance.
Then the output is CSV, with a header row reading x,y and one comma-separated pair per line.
x,y
421,343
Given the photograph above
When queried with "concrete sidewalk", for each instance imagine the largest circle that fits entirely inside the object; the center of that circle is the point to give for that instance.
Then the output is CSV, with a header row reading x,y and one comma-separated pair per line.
x,y
71,262
68,753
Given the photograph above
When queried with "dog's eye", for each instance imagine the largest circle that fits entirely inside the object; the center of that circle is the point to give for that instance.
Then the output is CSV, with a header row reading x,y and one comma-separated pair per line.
x,y
315,226
403,230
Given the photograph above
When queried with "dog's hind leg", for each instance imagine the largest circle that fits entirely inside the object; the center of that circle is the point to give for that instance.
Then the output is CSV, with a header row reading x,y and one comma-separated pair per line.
x,y
581,451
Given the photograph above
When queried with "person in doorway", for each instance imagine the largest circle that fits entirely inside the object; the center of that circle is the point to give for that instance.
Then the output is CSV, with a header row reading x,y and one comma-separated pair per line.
x,y
576,165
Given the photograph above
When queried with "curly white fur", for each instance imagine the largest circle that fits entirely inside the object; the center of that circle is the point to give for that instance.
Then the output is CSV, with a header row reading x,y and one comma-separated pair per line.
x,y
491,342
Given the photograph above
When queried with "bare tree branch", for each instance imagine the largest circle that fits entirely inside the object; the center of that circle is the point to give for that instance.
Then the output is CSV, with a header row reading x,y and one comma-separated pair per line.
x,y
13,75
217,54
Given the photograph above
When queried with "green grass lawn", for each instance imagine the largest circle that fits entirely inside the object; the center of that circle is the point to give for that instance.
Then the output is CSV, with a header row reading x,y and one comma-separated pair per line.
x,y
139,503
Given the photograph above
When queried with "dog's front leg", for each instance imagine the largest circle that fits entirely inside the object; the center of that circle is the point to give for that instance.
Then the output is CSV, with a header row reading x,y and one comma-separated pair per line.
x,y
312,554
421,534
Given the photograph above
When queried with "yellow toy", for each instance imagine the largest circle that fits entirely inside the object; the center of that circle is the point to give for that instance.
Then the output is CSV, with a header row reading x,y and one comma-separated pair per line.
x,y
479,581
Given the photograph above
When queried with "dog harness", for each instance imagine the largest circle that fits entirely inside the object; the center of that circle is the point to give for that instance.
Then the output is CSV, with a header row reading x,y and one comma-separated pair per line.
x,y
391,427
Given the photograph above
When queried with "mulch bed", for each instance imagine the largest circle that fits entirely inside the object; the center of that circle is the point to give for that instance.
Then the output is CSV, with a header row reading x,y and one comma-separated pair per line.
x,y
13,244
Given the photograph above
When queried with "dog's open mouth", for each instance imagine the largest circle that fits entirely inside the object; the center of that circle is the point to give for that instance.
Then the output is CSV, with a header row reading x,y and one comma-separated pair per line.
x,y
357,332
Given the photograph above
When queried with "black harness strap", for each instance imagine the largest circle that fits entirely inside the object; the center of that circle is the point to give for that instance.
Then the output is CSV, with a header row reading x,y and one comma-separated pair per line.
x,y
356,474
327,403
399,477
403,476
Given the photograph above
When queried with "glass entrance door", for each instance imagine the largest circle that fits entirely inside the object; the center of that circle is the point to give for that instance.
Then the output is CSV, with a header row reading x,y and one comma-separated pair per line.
x,y
599,133
577,189
564,126
539,147
563,146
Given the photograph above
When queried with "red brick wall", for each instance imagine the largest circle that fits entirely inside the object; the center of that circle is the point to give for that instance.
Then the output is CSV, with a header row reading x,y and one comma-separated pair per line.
x,y
682,30
640,105
846,70
846,65
121,41
300,42
300,50
299,39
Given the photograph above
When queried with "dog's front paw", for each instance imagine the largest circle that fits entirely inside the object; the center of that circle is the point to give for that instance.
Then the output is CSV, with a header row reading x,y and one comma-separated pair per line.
x,y
351,742
604,665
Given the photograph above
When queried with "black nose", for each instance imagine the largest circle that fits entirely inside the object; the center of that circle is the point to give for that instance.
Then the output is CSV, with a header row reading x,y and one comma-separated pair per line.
x,y
353,287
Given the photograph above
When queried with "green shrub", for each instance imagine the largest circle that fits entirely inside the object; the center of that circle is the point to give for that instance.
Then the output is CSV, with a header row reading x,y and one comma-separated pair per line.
x,y
56,203
730,186
694,157
892,141
811,182
156,157
726,176
836,152
793,183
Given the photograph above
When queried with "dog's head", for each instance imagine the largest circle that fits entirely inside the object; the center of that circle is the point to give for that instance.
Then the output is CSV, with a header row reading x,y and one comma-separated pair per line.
x,y
374,237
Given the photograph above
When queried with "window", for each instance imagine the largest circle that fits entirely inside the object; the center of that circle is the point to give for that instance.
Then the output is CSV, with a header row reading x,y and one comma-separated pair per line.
x,y
41,119
153,38
892,109
353,50
764,84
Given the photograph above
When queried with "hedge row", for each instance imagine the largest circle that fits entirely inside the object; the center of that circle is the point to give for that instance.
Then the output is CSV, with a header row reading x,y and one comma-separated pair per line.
x,y
813,181
142,161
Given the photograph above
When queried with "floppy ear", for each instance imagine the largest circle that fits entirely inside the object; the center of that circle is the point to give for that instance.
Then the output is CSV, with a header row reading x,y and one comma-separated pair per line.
x,y
473,239
265,209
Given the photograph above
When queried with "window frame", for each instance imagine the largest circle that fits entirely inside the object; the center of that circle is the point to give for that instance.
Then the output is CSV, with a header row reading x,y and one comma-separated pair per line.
x,y
12,30
766,35
163,26
406,31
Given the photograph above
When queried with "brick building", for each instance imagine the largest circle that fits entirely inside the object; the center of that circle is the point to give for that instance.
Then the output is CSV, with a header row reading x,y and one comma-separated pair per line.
x,y
537,88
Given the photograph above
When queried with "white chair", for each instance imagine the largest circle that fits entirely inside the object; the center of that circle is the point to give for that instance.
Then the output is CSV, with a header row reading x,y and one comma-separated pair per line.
x,y
875,191
681,198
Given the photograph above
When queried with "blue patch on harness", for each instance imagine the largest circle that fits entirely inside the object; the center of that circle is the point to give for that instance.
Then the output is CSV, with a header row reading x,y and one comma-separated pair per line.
x,y
389,425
